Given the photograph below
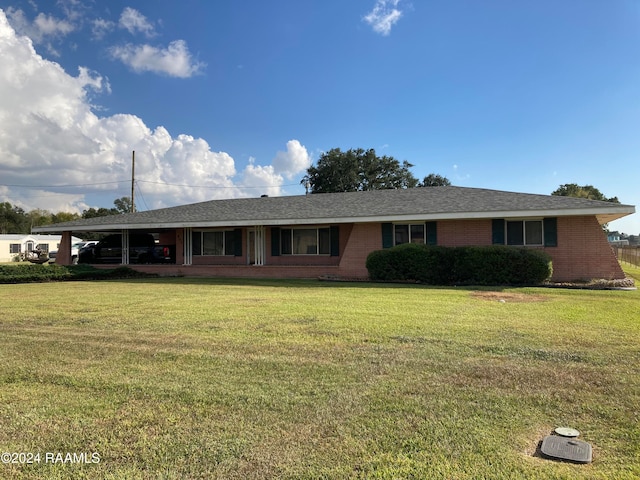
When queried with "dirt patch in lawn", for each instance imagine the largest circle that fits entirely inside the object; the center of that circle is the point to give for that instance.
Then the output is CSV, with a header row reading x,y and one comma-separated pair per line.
x,y
511,297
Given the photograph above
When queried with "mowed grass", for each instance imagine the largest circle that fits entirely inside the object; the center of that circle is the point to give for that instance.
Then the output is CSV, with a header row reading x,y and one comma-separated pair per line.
x,y
235,379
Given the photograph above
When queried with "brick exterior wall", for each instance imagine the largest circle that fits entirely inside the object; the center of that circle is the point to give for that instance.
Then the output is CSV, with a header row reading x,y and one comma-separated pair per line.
x,y
362,240
463,233
582,253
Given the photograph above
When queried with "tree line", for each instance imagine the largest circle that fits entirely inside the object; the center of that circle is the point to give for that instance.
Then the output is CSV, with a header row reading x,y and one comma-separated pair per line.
x,y
14,219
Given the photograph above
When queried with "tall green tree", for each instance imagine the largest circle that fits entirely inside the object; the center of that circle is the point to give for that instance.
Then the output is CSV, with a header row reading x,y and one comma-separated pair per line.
x,y
100,212
435,180
357,170
123,204
13,219
39,217
65,217
585,191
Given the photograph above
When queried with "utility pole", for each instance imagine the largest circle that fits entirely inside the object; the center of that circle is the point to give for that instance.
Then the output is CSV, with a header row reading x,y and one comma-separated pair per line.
x,y
133,179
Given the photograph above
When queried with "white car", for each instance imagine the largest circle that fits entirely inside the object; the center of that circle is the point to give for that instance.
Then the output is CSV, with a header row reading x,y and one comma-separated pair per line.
x,y
75,250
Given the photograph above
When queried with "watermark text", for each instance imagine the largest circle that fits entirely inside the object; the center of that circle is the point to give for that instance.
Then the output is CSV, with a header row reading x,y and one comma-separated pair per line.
x,y
51,458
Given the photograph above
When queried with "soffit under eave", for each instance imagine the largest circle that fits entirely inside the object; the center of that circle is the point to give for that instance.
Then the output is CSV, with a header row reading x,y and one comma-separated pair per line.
x,y
607,218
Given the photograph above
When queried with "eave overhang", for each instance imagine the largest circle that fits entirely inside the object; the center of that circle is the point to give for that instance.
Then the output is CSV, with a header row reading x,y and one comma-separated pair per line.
x,y
603,215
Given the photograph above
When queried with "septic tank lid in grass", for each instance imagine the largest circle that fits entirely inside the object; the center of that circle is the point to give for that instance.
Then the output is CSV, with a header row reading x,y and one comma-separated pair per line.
x,y
566,448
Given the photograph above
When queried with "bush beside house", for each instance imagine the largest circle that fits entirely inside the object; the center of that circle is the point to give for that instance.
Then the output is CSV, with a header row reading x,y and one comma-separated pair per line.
x,y
432,265
28,273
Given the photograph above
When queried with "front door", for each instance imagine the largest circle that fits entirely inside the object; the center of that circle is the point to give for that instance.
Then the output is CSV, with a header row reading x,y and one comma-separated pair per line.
x,y
256,246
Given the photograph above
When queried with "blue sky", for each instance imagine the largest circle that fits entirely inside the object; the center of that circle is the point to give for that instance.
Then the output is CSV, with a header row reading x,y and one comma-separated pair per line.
x,y
234,99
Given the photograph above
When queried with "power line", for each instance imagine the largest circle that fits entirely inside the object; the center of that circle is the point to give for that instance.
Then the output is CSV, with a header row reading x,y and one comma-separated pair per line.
x,y
209,186
141,196
61,186
79,185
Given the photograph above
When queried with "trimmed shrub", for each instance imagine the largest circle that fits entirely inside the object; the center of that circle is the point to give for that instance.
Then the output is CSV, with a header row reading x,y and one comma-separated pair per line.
x,y
26,273
490,265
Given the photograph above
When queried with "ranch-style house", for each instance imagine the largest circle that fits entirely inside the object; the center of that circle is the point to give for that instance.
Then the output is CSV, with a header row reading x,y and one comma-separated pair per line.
x,y
331,234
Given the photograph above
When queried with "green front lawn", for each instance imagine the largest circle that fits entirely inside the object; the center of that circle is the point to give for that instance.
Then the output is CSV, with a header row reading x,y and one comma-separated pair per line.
x,y
203,378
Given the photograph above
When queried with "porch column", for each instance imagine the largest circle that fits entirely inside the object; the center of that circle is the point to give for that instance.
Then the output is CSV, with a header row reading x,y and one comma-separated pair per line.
x,y
125,247
187,246
259,244
63,257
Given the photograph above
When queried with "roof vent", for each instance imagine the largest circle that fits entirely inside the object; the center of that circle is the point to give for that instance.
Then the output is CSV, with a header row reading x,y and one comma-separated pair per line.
x,y
264,196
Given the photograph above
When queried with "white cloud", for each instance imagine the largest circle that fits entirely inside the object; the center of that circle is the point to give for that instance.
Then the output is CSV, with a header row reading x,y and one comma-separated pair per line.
x,y
133,21
384,16
74,10
48,25
100,27
263,180
43,29
295,160
50,136
175,60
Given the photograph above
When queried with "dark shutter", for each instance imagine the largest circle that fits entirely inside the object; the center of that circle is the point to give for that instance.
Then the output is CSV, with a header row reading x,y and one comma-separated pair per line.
x,y
334,233
237,242
432,233
497,231
387,235
550,232
275,241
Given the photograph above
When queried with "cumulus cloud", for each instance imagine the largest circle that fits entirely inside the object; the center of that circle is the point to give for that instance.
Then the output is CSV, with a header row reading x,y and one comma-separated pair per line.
x,y
384,16
133,21
295,160
262,179
56,152
175,60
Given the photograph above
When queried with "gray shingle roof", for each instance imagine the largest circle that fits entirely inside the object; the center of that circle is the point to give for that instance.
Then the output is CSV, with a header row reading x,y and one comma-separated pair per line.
x,y
430,203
